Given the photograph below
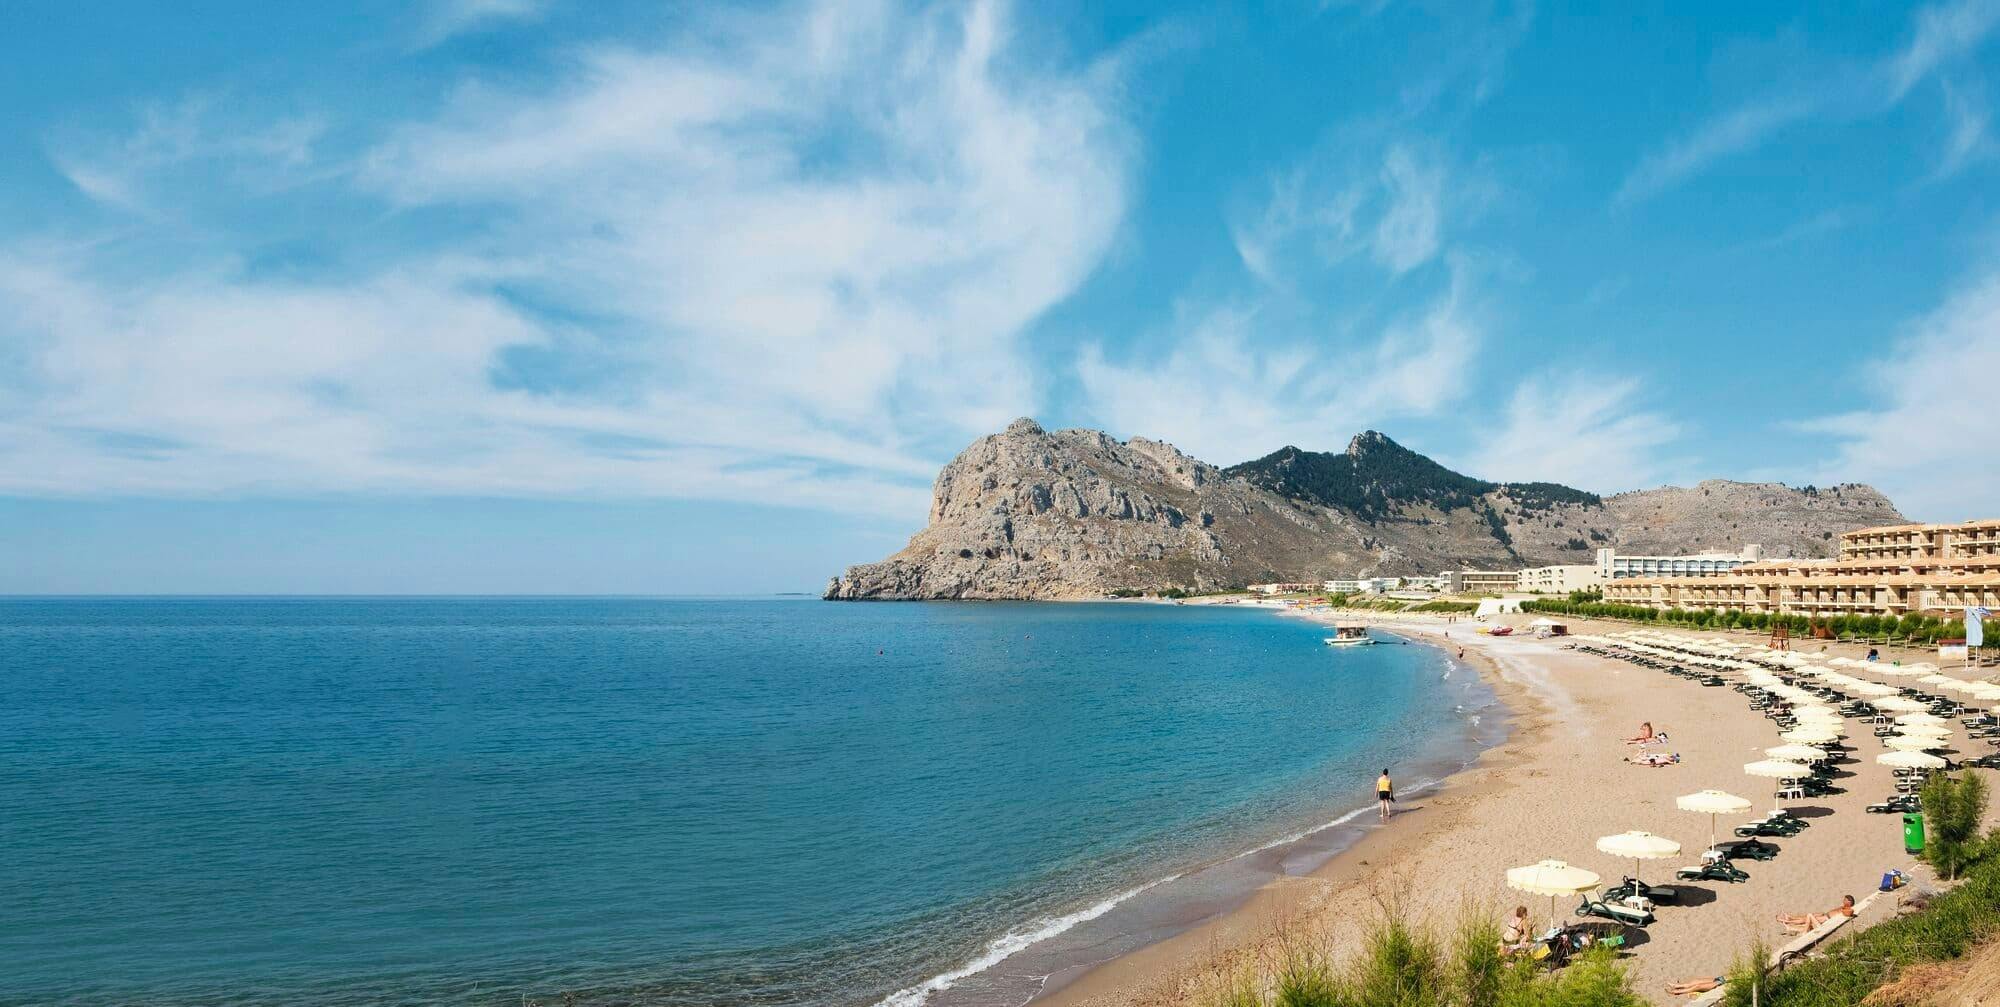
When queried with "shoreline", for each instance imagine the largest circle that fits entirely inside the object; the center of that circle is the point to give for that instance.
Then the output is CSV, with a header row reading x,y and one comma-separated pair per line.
x,y
1035,960
1153,974
1555,783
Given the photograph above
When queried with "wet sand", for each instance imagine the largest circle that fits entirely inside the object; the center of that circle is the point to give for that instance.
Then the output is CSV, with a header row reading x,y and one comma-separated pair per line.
x,y
1557,784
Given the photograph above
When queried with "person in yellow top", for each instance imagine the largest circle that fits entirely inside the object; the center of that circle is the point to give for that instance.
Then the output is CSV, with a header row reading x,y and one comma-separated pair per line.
x,y
1385,792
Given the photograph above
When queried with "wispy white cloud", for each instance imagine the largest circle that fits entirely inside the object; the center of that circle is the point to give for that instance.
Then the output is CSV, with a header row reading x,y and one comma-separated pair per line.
x,y
1967,139
1588,431
1927,441
1742,129
808,242
186,136
1407,235
1224,394
446,19
1943,33
1394,206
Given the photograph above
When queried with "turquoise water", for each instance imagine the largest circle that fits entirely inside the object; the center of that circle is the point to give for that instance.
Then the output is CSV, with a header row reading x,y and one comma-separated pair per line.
x,y
658,801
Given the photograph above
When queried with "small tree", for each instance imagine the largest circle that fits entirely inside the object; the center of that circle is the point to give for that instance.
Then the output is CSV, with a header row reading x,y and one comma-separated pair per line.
x,y
1953,809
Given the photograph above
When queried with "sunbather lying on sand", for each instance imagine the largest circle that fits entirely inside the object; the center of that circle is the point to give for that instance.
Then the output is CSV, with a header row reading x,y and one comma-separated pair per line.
x,y
1799,923
1700,984
1654,759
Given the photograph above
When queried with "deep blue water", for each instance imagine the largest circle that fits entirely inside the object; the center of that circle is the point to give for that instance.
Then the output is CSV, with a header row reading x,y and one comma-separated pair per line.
x,y
656,801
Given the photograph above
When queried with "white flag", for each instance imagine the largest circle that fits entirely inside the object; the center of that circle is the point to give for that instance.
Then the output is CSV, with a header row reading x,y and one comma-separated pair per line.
x,y
1975,635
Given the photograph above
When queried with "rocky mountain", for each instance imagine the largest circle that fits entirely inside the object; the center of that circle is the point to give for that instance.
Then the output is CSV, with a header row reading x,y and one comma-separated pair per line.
x,y
1029,513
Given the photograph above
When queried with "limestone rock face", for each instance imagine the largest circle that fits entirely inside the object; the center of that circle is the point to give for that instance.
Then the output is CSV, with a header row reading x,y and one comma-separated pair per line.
x,y
1722,516
1027,513
1033,514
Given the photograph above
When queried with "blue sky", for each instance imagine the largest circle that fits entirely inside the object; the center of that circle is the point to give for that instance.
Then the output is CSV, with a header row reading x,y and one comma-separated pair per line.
x,y
536,295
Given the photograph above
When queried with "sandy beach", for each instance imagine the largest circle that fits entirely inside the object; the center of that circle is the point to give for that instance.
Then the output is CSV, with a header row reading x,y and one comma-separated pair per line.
x,y
1559,782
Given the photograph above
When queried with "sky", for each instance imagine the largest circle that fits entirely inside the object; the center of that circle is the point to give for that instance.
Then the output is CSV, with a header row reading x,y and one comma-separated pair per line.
x,y
547,296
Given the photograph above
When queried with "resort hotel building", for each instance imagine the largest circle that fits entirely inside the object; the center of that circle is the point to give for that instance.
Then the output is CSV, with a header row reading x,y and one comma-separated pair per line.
x,y
1893,570
1611,565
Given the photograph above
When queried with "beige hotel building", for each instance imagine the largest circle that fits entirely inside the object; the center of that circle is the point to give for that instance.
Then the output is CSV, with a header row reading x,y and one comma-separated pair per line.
x,y
1934,568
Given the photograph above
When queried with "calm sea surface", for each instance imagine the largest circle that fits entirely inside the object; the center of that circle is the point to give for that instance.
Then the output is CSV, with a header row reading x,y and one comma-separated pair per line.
x,y
644,801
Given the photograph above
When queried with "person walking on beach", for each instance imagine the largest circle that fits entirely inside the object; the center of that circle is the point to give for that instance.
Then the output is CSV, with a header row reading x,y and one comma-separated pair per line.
x,y
1385,792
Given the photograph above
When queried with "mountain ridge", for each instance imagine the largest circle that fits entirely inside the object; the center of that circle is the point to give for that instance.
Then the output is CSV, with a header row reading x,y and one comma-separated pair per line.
x,y
1032,514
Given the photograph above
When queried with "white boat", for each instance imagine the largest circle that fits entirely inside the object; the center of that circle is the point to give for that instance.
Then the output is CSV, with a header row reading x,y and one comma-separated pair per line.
x,y
1348,636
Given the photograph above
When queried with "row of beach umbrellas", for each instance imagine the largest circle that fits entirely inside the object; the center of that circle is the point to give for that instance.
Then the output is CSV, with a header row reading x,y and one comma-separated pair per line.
x,y
1557,878
1917,733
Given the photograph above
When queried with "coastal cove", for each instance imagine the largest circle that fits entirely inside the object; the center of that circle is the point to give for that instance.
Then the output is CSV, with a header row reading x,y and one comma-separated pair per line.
x,y
683,801
1558,781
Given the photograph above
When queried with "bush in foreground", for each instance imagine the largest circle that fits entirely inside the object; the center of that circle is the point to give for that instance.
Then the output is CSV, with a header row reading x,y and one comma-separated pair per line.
x,y
1850,969
1954,807
1403,965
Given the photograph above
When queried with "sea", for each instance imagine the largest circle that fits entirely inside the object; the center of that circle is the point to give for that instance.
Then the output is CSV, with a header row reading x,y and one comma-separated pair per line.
x,y
699,802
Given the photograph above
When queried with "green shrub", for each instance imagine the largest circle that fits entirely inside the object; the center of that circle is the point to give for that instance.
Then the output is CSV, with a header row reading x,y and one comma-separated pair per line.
x,y
1455,607
1849,969
1953,810
1401,965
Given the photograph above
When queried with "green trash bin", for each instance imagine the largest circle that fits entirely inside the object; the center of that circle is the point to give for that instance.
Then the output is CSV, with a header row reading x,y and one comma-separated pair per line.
x,y
1913,833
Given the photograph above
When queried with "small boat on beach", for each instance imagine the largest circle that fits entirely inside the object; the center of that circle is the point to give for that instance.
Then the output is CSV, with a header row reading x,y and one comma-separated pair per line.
x,y
1348,636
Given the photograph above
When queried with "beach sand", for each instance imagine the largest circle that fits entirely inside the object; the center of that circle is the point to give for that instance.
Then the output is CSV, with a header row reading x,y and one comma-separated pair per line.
x,y
1555,786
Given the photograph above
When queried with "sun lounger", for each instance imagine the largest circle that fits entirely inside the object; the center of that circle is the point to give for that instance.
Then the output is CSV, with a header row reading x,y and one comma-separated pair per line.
x,y
1713,869
1783,827
1746,849
1899,804
1634,888
1619,911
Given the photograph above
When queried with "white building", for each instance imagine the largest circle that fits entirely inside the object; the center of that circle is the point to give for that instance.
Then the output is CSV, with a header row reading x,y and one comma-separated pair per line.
x,y
1284,588
1362,585
1481,581
1612,566
1561,579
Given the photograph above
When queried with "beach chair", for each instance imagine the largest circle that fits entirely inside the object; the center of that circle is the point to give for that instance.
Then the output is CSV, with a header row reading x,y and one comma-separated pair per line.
x,y
1898,805
1746,849
1633,888
1622,912
1713,868
1780,826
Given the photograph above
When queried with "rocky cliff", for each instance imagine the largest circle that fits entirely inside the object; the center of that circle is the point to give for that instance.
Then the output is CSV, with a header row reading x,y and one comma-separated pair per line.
x,y
1029,513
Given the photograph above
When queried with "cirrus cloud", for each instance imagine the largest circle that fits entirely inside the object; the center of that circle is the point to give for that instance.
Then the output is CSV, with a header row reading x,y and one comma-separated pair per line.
x,y
784,256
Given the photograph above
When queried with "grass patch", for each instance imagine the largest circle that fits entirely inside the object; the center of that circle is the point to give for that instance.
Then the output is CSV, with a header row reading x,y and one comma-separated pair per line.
x,y
1401,964
1448,607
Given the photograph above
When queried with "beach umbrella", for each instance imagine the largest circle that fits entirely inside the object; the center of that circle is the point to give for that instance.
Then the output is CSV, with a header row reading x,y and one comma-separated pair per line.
x,y
1920,718
1903,704
1811,734
1936,680
1904,743
1873,689
1896,671
1777,769
1551,878
1712,803
1638,846
1909,760
1984,692
1923,730
1796,753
